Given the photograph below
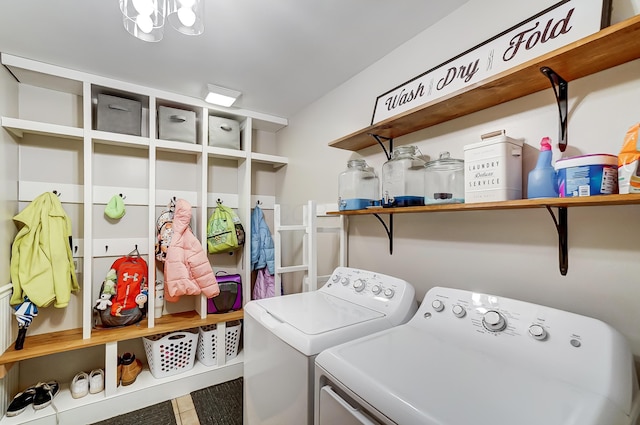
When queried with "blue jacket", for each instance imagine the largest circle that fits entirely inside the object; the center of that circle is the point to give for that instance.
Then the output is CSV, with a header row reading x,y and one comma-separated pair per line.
x,y
262,249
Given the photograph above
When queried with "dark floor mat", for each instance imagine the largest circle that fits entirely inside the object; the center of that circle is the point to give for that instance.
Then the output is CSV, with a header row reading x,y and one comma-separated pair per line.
x,y
220,404
157,414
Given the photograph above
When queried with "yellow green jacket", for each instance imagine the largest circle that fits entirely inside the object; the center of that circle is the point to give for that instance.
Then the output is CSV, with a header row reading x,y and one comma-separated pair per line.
x,y
41,260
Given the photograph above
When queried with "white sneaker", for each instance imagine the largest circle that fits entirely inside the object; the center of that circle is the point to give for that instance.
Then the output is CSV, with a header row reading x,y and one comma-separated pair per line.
x,y
96,381
80,385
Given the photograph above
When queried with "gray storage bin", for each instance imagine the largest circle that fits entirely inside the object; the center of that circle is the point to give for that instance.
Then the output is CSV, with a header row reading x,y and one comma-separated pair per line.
x,y
224,133
119,115
176,124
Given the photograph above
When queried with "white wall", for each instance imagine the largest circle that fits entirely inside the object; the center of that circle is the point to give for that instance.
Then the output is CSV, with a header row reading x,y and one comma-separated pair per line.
x,y
508,253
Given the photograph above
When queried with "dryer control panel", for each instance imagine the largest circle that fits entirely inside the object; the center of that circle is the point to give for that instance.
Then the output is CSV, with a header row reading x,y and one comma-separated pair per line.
x,y
377,291
541,339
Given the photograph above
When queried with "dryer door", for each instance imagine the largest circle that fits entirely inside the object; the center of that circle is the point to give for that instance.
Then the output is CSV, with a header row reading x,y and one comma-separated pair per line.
x,y
335,410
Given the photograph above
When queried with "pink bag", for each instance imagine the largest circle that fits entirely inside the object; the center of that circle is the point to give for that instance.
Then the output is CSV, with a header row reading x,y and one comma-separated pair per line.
x,y
265,285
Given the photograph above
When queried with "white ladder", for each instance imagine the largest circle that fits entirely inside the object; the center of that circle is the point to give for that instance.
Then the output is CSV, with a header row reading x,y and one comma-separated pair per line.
x,y
309,226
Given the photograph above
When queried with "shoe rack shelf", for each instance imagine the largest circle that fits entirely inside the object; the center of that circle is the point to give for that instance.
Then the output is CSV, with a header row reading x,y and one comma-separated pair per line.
x,y
71,339
612,46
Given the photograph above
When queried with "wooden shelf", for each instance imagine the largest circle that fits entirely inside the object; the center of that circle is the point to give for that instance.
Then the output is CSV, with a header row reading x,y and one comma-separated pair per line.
x,y
612,46
584,201
57,342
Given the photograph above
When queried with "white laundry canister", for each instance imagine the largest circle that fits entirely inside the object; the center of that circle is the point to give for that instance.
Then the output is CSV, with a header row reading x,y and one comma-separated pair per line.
x,y
493,170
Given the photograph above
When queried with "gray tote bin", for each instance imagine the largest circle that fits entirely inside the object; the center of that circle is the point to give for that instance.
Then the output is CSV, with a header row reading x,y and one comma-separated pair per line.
x,y
224,132
119,115
176,124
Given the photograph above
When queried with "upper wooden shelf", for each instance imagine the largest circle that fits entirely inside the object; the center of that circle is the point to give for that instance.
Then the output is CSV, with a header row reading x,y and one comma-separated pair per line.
x,y
612,46
57,342
584,201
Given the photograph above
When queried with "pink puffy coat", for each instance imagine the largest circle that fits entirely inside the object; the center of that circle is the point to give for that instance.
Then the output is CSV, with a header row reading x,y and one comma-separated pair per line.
x,y
186,268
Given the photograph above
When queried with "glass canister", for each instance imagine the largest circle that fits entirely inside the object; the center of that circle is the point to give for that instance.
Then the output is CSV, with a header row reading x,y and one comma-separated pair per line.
x,y
444,180
358,186
403,178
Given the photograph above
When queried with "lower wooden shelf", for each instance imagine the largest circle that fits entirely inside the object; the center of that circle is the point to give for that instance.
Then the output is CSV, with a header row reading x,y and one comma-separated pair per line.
x,y
583,201
71,339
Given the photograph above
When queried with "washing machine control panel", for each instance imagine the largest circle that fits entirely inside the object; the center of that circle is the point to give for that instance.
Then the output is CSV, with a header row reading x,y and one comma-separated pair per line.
x,y
371,289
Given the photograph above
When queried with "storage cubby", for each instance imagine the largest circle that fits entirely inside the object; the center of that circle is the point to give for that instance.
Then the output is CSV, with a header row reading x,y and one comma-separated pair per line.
x,y
170,114
62,149
117,105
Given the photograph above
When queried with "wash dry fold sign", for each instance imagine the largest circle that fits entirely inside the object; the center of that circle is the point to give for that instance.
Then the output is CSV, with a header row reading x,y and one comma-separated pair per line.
x,y
557,26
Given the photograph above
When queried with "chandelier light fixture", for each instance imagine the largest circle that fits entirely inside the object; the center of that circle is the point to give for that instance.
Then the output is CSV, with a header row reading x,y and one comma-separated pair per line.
x,y
145,19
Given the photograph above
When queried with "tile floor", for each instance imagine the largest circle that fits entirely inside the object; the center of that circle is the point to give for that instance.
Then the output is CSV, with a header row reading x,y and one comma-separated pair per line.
x,y
185,411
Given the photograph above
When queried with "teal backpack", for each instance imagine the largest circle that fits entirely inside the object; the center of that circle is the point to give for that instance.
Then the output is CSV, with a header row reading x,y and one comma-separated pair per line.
x,y
224,230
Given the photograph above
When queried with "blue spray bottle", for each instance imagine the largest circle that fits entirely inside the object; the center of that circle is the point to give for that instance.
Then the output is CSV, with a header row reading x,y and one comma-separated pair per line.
x,y
542,181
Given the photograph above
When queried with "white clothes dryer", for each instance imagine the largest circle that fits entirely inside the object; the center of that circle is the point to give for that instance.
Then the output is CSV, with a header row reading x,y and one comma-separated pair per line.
x,y
283,335
472,358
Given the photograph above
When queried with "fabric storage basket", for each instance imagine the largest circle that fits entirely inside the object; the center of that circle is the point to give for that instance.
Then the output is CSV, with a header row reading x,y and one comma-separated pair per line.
x,y
176,124
119,115
170,353
208,342
224,132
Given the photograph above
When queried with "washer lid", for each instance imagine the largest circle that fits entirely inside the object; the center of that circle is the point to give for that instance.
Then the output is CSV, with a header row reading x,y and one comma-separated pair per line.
x,y
314,313
414,377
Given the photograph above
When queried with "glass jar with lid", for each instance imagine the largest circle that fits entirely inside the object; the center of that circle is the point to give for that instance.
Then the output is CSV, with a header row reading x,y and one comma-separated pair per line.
x,y
403,178
444,180
358,186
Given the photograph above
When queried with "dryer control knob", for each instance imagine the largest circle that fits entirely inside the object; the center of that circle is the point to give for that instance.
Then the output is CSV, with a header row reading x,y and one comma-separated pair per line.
x,y
376,289
437,305
335,277
537,332
494,321
359,285
389,293
344,281
458,310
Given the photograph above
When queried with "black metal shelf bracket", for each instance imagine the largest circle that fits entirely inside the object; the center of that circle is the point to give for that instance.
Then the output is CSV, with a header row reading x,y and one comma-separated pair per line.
x,y
388,229
561,91
387,153
562,223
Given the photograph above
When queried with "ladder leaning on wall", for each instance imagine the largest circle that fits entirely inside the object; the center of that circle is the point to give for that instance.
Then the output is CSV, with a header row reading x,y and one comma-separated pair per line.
x,y
309,229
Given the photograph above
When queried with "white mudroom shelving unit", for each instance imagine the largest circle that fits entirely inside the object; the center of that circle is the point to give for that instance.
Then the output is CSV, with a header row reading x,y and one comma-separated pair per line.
x,y
61,150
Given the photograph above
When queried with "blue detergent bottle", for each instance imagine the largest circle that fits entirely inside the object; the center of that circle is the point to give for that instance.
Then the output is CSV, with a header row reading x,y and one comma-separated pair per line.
x,y
542,181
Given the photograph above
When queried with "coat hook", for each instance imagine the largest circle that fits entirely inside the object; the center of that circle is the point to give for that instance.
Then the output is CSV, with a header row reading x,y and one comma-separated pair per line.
x,y
219,201
55,192
75,249
106,248
258,202
123,196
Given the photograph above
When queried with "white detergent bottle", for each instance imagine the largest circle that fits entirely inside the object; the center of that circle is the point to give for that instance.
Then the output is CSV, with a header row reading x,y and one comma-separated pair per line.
x,y
542,181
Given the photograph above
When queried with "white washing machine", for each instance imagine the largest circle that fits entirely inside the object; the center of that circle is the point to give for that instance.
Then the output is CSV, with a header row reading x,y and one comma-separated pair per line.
x,y
283,335
471,358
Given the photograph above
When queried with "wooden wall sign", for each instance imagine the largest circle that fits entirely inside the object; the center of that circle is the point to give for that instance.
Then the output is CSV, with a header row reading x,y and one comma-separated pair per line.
x,y
557,26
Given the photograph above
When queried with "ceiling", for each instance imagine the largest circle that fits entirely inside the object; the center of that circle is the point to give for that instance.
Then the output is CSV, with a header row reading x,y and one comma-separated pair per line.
x,y
281,54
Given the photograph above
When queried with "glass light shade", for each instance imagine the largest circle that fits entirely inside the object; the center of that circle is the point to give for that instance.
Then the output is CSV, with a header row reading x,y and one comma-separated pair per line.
x,y
144,19
186,16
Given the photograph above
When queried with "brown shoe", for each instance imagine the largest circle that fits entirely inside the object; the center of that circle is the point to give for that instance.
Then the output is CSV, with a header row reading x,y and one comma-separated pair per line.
x,y
131,368
119,370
